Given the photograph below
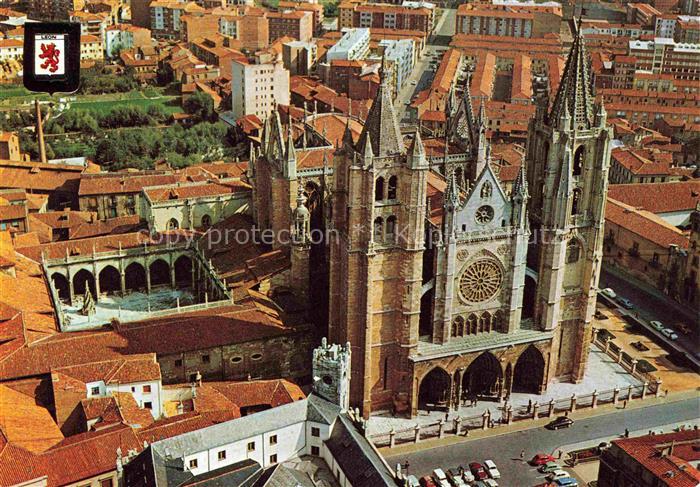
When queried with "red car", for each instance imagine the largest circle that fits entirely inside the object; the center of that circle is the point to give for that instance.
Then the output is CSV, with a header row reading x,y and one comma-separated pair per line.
x,y
478,471
541,459
427,481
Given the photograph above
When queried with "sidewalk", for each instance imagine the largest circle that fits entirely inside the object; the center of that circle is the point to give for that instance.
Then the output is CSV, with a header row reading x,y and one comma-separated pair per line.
x,y
587,413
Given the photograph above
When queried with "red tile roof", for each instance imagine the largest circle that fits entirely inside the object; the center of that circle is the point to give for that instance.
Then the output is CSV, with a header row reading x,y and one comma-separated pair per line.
x,y
100,184
654,455
644,224
639,165
186,332
196,190
39,177
126,370
658,197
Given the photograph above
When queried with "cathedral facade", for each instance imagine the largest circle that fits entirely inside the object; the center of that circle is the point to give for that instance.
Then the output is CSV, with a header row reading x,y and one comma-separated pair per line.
x,y
444,285
498,294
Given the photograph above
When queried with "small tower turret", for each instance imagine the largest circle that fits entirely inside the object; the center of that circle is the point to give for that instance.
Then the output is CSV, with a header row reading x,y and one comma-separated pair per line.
x,y
331,373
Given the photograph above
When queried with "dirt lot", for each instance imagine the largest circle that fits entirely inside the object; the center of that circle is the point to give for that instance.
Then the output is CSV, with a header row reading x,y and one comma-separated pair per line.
x,y
674,378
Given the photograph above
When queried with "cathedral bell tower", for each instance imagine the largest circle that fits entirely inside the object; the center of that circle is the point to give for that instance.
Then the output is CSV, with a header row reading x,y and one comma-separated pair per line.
x,y
376,254
567,164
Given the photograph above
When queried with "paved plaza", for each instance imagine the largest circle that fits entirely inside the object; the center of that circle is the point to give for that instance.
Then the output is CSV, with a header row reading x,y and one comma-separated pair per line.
x,y
602,374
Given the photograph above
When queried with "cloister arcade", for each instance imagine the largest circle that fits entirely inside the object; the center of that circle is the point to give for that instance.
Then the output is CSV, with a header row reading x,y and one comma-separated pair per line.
x,y
130,271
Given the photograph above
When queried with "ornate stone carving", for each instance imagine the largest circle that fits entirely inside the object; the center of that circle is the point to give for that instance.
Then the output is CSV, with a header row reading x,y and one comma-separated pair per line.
x,y
463,254
503,249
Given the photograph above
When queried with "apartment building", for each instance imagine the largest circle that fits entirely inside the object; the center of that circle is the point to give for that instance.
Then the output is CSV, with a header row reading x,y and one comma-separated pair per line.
x,y
508,20
352,46
296,24
663,55
91,48
91,24
165,17
316,10
11,49
125,36
401,54
258,84
687,30
384,16
196,25
9,146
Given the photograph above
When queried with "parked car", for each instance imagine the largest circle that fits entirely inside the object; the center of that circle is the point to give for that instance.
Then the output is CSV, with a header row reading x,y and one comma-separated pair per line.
x,y
541,459
492,469
609,293
557,474
657,325
625,303
455,478
427,481
412,481
466,473
566,482
549,467
478,471
440,478
560,422
670,333
490,483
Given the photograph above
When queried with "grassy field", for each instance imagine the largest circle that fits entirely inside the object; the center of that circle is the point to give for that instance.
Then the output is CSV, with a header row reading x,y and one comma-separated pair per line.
x,y
15,96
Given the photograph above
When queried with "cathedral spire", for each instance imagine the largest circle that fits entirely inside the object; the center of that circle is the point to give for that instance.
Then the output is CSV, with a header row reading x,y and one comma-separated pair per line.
x,y
451,192
520,184
576,87
381,130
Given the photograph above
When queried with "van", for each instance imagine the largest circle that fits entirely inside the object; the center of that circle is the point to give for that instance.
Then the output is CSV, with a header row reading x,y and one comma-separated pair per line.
x,y
566,482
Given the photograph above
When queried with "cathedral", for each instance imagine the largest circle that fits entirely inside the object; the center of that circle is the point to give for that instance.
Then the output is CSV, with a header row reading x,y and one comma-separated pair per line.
x,y
445,285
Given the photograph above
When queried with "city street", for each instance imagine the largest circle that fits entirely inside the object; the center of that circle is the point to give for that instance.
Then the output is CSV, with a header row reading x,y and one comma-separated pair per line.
x,y
505,449
422,74
652,307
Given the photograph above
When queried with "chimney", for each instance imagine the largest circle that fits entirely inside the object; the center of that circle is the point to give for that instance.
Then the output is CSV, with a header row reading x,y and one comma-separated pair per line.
x,y
40,132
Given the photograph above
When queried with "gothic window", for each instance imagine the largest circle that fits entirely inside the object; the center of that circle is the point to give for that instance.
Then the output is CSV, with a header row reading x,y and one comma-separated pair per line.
x,y
391,192
173,224
378,229
391,229
206,221
480,281
486,190
379,189
471,324
458,327
576,202
579,156
498,321
485,322
573,251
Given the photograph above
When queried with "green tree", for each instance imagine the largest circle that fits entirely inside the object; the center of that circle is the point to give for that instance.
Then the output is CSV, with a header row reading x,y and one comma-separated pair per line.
x,y
201,105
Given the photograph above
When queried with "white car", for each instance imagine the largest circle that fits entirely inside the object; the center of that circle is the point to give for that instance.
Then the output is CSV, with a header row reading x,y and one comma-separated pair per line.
x,y
492,469
490,483
670,333
657,325
468,476
609,293
440,477
558,474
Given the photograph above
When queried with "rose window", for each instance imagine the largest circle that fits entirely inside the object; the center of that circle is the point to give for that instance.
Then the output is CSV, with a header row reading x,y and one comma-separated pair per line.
x,y
484,214
480,281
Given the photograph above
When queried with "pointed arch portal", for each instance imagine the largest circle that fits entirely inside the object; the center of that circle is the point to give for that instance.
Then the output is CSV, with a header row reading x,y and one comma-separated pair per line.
x,y
434,389
484,376
528,374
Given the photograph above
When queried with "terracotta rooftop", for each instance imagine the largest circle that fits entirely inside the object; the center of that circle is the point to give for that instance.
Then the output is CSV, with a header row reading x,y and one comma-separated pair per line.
x,y
126,370
634,162
24,423
666,453
100,184
213,327
196,190
644,224
658,197
38,176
